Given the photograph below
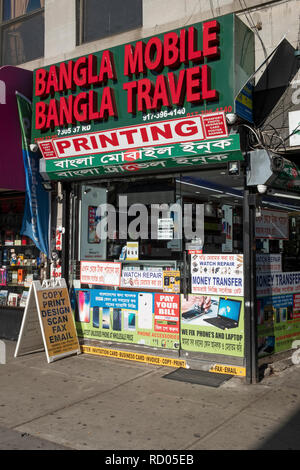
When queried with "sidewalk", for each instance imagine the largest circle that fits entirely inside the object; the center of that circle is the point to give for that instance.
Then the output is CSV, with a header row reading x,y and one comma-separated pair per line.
x,y
89,402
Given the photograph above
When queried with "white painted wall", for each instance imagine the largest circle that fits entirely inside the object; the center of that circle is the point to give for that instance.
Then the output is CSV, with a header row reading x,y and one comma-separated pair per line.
x,y
277,18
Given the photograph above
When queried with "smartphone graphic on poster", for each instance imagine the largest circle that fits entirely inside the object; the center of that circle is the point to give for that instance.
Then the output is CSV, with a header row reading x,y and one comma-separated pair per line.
x,y
145,312
96,317
92,224
117,319
129,320
84,306
106,318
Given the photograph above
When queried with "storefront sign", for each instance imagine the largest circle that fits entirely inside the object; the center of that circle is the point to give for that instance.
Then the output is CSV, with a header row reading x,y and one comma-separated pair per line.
x,y
155,91
212,324
132,251
100,273
273,225
166,313
143,318
171,281
134,356
142,279
145,160
268,263
278,322
48,322
217,274
278,283
192,129
227,369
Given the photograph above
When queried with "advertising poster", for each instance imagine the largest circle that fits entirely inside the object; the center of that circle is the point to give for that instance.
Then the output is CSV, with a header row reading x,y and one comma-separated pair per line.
x,y
142,278
278,323
171,281
213,324
227,228
217,274
100,273
278,308
128,317
91,245
273,225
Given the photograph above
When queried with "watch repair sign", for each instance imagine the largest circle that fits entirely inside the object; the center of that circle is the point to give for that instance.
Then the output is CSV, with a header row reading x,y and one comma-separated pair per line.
x,y
170,88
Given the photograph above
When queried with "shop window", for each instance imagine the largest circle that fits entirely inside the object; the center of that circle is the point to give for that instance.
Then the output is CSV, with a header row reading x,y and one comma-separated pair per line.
x,y
22,31
98,19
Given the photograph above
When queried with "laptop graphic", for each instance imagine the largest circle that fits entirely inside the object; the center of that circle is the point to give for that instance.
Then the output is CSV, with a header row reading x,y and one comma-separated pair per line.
x,y
228,314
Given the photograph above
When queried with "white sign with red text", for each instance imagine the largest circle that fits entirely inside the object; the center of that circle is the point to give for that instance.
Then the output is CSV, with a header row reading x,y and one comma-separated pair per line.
x,y
273,225
100,273
208,126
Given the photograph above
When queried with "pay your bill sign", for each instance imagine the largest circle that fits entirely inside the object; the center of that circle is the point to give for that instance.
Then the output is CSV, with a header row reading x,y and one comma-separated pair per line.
x,y
48,322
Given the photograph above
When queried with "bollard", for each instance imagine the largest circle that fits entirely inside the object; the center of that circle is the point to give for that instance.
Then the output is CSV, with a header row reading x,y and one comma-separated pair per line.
x,y
2,353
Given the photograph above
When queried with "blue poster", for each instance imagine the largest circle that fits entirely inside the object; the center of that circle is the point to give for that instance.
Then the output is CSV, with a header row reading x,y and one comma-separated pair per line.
x,y
37,200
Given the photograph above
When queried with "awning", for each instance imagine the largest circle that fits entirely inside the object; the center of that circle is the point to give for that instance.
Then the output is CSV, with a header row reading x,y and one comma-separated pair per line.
x,y
183,156
12,79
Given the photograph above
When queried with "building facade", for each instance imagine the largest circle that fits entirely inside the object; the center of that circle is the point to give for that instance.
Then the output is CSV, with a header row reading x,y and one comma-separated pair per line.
x,y
168,135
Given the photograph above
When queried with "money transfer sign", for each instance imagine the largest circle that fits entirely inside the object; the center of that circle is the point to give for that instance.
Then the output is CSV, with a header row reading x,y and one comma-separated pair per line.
x,y
217,274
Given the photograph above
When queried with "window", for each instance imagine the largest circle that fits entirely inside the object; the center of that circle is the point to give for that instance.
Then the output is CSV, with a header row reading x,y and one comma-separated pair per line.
x,y
98,19
22,31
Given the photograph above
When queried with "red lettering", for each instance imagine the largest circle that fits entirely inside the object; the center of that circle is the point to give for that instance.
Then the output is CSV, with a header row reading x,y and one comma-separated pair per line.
x,y
177,87
107,67
211,40
207,93
66,111
52,82
190,128
62,145
52,114
131,87
108,104
40,82
129,135
40,115
112,139
134,59
81,143
171,53
154,54
166,132
80,107
80,72
65,80
161,96
193,85
145,91
194,54
92,69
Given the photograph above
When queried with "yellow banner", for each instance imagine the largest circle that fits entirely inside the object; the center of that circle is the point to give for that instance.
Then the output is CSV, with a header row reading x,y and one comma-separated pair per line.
x,y
134,356
226,369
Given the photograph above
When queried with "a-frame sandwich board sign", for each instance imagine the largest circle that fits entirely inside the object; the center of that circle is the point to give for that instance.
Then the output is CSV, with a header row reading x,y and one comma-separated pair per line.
x,y
48,322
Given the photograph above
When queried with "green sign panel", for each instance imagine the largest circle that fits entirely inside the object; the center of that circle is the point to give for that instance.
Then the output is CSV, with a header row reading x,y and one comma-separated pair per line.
x,y
181,74
144,160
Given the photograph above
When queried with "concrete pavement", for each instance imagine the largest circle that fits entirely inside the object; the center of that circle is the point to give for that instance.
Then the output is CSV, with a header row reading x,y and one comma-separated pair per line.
x,y
88,402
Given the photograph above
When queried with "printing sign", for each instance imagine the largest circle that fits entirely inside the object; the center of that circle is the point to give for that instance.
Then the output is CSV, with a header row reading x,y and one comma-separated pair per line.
x,y
175,131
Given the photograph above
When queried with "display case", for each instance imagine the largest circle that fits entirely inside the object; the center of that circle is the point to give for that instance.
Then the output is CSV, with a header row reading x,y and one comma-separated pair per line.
x,y
20,260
